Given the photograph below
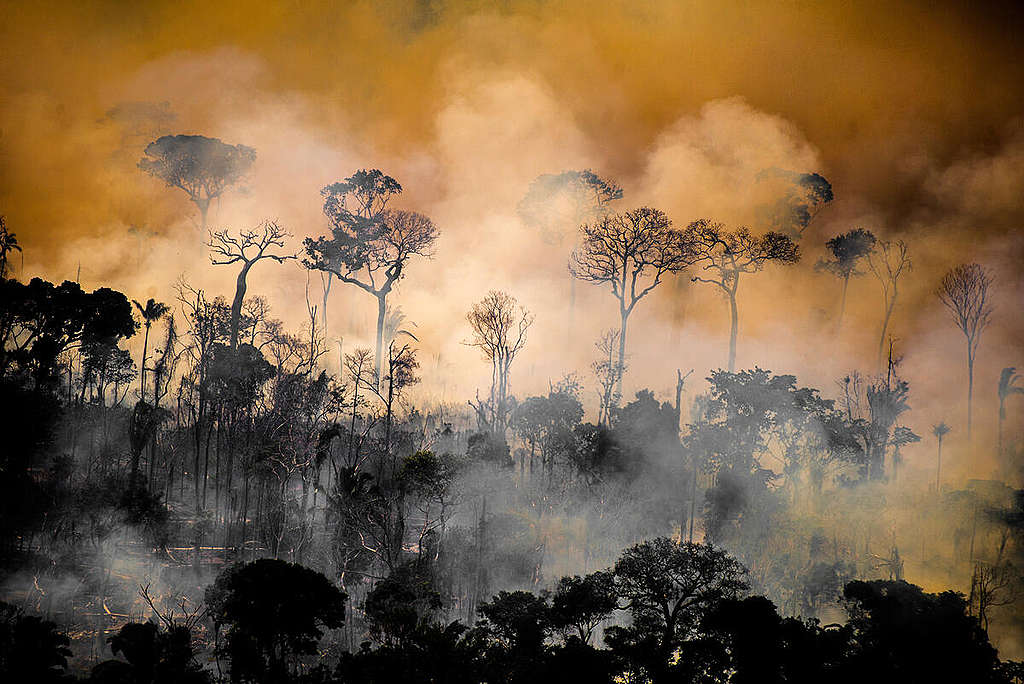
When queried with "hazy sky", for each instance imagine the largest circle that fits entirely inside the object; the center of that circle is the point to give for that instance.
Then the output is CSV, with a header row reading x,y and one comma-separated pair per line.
x,y
912,110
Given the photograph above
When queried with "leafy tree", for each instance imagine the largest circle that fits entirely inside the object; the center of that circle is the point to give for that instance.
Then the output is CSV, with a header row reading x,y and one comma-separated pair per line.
x,y
370,244
154,655
8,244
964,291
31,649
799,198
203,167
631,253
1007,386
729,254
248,248
274,612
847,251
906,635
582,603
400,604
668,587
151,312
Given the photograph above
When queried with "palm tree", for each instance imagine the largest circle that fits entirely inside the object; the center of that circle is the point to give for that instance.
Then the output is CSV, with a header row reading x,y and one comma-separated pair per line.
x,y
152,312
940,431
1007,386
8,244
394,319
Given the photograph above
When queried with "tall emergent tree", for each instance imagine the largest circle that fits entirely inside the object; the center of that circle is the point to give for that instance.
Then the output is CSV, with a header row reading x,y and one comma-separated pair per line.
x,y
556,204
888,263
152,312
1007,386
729,254
247,248
798,199
370,244
847,251
632,252
964,291
203,167
499,327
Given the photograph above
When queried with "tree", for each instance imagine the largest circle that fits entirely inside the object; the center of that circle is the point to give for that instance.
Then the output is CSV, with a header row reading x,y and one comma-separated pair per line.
x,y
582,603
152,312
608,371
729,254
8,244
964,291
273,611
1007,386
888,263
499,326
556,204
249,247
847,251
668,586
799,198
631,252
31,649
940,431
203,167
370,244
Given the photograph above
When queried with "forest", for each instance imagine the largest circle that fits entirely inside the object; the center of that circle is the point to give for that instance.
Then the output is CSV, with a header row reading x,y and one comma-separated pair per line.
x,y
447,362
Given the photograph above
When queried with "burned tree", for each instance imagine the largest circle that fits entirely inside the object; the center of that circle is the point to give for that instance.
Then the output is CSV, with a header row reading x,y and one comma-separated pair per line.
x,y
248,248
964,291
888,263
499,326
847,251
1007,386
203,167
370,244
153,311
631,252
729,254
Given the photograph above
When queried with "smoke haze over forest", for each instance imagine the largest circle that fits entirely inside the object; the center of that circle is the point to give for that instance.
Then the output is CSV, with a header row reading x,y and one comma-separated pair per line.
x,y
913,112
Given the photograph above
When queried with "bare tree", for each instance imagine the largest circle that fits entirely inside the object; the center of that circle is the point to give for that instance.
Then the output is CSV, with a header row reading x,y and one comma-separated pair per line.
x,y
729,254
499,327
248,248
964,291
631,252
203,167
8,245
370,244
888,262
847,251
1007,386
608,371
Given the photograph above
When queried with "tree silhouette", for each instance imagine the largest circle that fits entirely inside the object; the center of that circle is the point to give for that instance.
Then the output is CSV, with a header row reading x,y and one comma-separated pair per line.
x,y
847,251
964,291
203,167
667,586
1007,386
248,248
153,311
888,263
729,254
800,196
499,326
8,244
273,611
940,431
370,244
631,252
31,649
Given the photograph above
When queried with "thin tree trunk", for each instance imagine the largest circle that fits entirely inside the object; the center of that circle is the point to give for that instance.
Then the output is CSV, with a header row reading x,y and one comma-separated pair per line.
x,y
885,328
145,348
734,322
381,308
842,304
938,467
622,350
236,305
970,388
